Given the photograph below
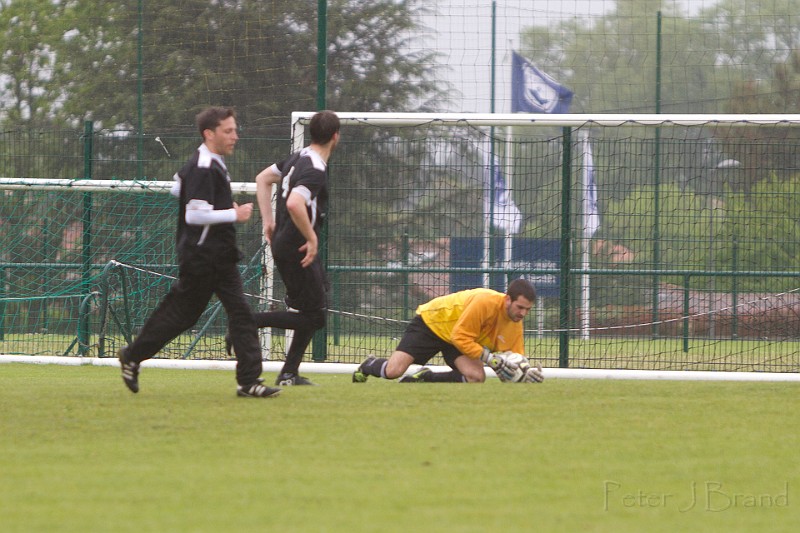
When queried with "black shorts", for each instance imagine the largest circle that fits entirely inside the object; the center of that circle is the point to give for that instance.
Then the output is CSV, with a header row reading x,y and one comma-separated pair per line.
x,y
306,288
422,344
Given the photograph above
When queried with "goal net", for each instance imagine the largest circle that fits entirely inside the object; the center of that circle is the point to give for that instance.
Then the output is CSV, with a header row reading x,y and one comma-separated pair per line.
x,y
663,242
655,242
85,262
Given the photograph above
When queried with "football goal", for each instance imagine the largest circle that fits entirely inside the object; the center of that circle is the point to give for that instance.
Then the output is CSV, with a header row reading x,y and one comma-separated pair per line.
x,y
656,242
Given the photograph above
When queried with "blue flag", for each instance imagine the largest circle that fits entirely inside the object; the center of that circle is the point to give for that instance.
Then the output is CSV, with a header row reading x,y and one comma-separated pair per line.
x,y
533,91
506,216
591,215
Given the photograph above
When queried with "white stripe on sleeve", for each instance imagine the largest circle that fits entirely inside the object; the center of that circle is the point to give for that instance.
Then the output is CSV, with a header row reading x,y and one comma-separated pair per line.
x,y
201,213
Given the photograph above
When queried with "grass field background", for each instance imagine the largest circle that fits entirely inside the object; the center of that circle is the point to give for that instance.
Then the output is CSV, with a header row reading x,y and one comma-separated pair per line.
x,y
78,452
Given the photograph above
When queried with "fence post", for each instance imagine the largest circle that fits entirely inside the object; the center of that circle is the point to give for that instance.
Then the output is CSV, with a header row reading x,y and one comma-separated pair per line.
x,y
86,254
319,343
2,303
405,249
337,306
686,310
566,250
735,295
657,193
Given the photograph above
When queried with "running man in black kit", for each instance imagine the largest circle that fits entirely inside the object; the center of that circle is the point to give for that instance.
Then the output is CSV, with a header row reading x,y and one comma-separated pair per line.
x,y
207,257
293,233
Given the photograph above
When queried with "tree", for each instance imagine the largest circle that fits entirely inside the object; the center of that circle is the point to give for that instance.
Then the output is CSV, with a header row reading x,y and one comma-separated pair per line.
x,y
764,150
763,227
260,57
28,70
610,61
752,36
769,87
735,56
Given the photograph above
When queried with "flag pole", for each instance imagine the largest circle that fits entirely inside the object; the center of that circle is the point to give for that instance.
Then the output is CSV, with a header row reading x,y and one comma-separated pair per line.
x,y
585,239
488,249
585,289
488,216
509,240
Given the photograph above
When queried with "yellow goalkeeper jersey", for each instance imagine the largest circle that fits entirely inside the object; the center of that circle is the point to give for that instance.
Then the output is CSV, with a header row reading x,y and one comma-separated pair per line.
x,y
473,319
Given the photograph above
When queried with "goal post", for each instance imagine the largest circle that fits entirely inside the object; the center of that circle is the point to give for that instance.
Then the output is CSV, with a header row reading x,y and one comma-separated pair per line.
x,y
674,266
121,186
541,119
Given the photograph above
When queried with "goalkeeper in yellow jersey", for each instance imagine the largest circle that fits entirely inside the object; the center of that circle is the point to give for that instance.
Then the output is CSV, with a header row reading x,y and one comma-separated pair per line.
x,y
469,328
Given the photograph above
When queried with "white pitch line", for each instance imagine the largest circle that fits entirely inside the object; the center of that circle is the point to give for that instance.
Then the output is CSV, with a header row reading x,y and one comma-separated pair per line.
x,y
349,368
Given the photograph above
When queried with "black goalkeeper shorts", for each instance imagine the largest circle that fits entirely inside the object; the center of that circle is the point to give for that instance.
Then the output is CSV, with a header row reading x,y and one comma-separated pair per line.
x,y
423,344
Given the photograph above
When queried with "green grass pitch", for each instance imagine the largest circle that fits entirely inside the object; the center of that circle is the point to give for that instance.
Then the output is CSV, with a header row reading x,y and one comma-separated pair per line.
x,y
78,452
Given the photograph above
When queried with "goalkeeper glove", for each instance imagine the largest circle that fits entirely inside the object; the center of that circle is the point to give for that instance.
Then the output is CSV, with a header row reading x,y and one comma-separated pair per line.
x,y
505,368
533,375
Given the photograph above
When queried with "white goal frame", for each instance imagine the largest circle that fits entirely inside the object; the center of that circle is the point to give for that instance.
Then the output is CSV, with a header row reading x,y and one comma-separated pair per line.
x,y
299,119
538,119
